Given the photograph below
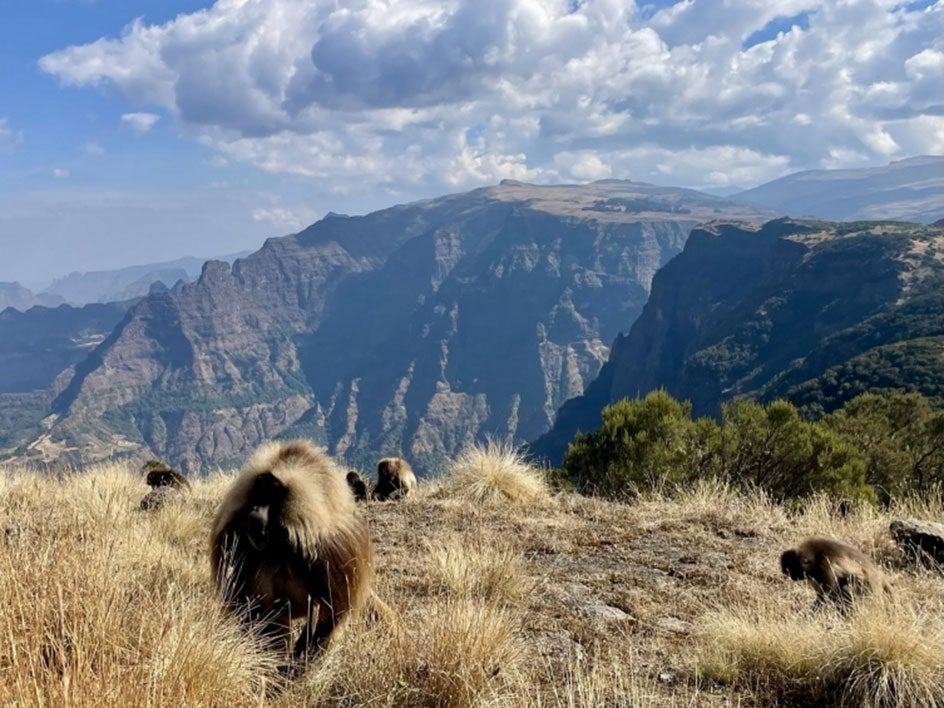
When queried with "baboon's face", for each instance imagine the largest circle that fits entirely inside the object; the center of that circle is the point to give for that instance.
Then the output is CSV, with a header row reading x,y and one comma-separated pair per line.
x,y
264,512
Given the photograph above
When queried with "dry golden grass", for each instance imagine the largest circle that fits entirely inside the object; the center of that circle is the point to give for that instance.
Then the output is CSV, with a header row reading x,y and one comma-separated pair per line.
x,y
495,472
515,599
884,654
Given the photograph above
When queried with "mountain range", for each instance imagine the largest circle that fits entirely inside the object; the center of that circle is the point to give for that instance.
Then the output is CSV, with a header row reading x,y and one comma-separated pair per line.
x,y
422,327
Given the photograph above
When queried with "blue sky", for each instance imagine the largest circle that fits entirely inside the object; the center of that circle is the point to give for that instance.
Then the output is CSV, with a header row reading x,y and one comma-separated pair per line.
x,y
138,131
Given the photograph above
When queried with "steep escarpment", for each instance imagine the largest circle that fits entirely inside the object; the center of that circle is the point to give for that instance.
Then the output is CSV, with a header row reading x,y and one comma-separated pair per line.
x,y
415,329
785,310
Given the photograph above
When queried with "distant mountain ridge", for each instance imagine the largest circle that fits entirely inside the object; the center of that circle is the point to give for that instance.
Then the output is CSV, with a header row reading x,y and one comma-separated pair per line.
x,y
905,190
126,283
815,312
415,329
22,298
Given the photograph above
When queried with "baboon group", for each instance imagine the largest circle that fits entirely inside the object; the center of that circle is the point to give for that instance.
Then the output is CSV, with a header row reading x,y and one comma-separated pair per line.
x,y
289,544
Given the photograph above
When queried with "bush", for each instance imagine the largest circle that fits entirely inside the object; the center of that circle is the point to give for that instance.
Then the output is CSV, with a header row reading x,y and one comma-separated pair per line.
x,y
496,472
649,443
901,438
643,443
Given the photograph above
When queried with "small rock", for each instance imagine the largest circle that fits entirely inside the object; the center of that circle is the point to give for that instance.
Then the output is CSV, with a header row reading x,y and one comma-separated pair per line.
x,y
921,540
674,625
667,677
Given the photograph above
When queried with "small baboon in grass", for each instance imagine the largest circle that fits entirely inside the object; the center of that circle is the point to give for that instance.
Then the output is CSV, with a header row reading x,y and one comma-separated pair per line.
x,y
837,571
163,481
288,544
358,485
395,479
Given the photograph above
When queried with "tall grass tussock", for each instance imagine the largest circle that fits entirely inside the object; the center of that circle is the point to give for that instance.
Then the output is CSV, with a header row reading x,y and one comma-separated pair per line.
x,y
496,472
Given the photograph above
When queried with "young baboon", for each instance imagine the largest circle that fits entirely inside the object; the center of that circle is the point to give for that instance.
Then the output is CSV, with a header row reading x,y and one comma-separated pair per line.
x,y
288,543
163,482
395,479
357,484
837,571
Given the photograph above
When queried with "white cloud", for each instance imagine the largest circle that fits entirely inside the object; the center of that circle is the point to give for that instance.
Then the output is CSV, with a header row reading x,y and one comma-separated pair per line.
x,y
140,122
419,96
60,173
93,148
286,218
9,138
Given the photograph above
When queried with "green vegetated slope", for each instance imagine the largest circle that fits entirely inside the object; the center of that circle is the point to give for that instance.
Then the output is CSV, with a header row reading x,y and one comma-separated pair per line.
x,y
816,312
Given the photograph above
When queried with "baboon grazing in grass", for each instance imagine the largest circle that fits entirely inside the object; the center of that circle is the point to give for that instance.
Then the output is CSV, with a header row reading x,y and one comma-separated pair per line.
x,y
358,485
395,479
838,572
288,543
163,481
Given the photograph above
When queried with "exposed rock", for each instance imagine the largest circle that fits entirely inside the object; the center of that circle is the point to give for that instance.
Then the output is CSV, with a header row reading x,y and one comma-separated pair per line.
x,y
921,540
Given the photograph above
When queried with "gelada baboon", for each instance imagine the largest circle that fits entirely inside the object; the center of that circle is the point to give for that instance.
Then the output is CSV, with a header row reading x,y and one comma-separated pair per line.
x,y
163,481
838,572
357,484
288,544
395,479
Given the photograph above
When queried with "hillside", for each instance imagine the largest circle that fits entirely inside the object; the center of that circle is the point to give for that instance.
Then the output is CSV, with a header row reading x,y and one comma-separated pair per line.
x,y
416,328
563,601
779,311
905,190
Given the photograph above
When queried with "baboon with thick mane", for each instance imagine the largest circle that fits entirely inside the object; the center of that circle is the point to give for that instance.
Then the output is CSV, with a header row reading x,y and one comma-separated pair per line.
x,y
395,479
288,543
837,571
358,485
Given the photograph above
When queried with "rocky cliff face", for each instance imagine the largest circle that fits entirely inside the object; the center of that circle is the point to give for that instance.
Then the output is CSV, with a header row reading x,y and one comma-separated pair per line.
x,y
413,329
783,310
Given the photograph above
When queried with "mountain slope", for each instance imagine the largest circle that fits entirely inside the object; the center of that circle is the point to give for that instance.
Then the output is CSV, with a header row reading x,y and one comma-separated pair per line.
x,y
780,311
906,190
416,328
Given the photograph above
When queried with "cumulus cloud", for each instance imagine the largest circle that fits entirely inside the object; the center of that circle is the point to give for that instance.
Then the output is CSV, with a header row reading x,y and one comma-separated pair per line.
x,y
422,96
60,173
140,122
9,138
286,218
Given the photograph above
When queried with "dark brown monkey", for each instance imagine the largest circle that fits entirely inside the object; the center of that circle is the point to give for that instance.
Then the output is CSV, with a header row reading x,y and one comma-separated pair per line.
x,y
395,479
288,544
166,477
837,571
163,482
358,485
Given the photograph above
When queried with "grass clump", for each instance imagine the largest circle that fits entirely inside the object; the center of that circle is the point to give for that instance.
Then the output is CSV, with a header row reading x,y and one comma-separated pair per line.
x,y
456,652
496,472
472,569
885,654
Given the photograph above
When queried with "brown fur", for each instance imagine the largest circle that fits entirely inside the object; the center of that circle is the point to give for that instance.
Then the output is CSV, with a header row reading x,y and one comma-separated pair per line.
x,y
288,543
167,477
358,486
395,479
837,571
